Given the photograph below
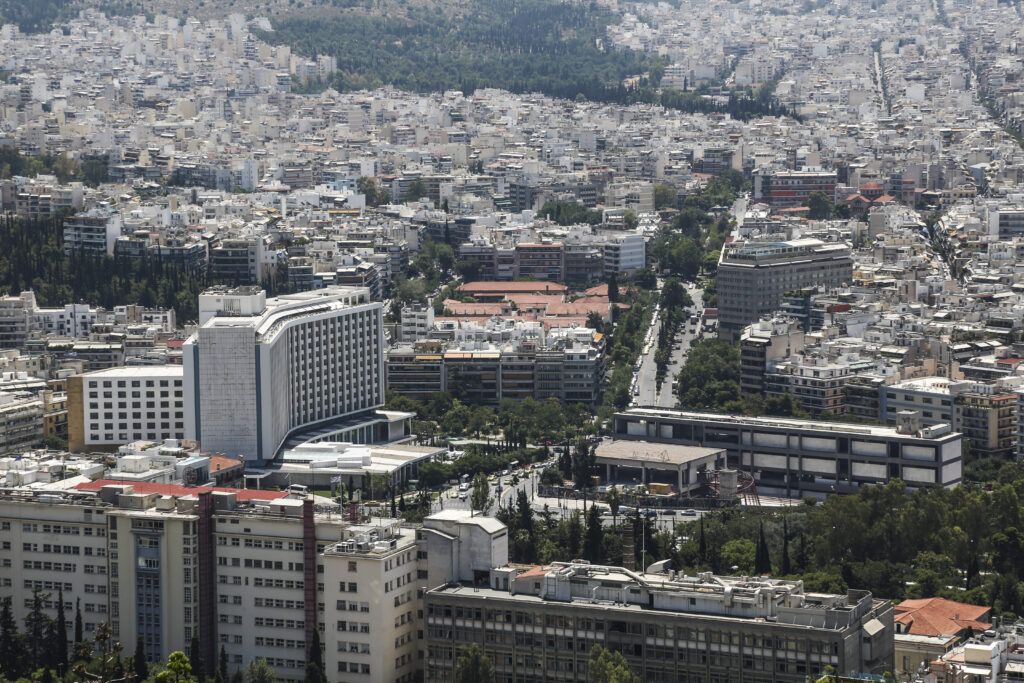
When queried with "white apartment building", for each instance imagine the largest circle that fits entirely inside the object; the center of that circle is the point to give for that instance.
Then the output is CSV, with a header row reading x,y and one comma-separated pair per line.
x,y
252,571
109,408
624,253
261,370
93,232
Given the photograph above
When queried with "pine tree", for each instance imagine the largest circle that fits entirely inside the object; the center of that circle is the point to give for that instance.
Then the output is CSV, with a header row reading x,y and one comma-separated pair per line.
x,y
786,568
10,646
139,665
762,559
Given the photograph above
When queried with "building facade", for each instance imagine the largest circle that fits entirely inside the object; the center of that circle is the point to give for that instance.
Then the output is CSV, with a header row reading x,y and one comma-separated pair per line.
x,y
540,624
798,458
109,408
259,370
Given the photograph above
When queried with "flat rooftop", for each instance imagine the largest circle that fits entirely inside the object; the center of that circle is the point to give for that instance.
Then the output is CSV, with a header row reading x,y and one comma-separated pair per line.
x,y
138,372
838,428
650,452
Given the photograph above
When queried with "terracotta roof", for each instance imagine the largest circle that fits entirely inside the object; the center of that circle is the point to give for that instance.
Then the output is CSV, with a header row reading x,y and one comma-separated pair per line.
x,y
477,309
598,290
871,185
939,617
220,463
180,490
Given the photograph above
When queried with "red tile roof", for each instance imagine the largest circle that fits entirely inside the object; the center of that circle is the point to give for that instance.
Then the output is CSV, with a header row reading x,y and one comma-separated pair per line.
x,y
940,617
179,490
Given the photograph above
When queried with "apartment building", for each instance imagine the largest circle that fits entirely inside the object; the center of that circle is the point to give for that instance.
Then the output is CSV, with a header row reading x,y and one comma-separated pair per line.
x,y
261,370
417,322
568,370
985,413
21,421
540,261
817,383
763,342
540,624
109,408
754,276
92,233
798,458
792,188
254,572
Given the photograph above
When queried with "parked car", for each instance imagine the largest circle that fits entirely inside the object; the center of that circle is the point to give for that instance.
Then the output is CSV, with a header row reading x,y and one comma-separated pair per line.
x,y
689,513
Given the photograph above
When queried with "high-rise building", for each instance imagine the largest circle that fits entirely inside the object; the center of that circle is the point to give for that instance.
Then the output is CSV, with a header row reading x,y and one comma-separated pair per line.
x,y
754,276
259,370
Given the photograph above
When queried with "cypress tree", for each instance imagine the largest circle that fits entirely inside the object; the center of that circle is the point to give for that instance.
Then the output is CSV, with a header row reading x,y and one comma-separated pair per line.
x,y
786,568
762,560
315,661
196,659
10,647
702,548
139,665
35,631
222,665
62,634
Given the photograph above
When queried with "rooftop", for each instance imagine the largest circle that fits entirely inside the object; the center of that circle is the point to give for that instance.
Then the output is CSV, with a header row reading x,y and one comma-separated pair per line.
x,y
645,451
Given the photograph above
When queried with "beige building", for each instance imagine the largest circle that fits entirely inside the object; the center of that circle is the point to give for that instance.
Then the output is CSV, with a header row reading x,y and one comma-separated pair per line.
x,y
253,571
109,408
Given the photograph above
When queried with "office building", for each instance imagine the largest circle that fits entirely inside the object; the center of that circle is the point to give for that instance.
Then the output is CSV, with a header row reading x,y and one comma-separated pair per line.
x,y
763,342
259,370
540,624
754,276
109,408
254,572
795,458
787,189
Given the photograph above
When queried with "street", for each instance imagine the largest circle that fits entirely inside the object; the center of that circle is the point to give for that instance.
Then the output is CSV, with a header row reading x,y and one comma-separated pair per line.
x,y
647,393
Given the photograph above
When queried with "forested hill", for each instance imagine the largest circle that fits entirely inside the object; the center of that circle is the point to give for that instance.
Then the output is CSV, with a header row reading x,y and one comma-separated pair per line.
x,y
33,16
555,48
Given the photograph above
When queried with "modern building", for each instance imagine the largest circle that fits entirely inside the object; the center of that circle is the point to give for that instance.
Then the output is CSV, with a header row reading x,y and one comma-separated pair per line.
x,y
796,458
792,188
109,408
754,276
254,572
540,624
259,370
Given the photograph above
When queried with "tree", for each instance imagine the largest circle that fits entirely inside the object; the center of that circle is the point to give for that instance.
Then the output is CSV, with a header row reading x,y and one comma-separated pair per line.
x,y
222,665
762,559
674,295
613,288
592,540
820,205
61,636
139,665
605,666
481,500
315,661
473,666
10,646
35,629
582,465
664,197
629,219
259,671
785,568
196,663
614,500
179,669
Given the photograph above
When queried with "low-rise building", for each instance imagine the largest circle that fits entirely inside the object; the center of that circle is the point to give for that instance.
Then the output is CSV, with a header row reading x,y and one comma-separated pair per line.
x,y
799,458
541,623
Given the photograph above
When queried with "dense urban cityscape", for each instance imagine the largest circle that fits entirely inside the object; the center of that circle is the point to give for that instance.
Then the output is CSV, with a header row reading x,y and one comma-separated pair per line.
x,y
526,341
